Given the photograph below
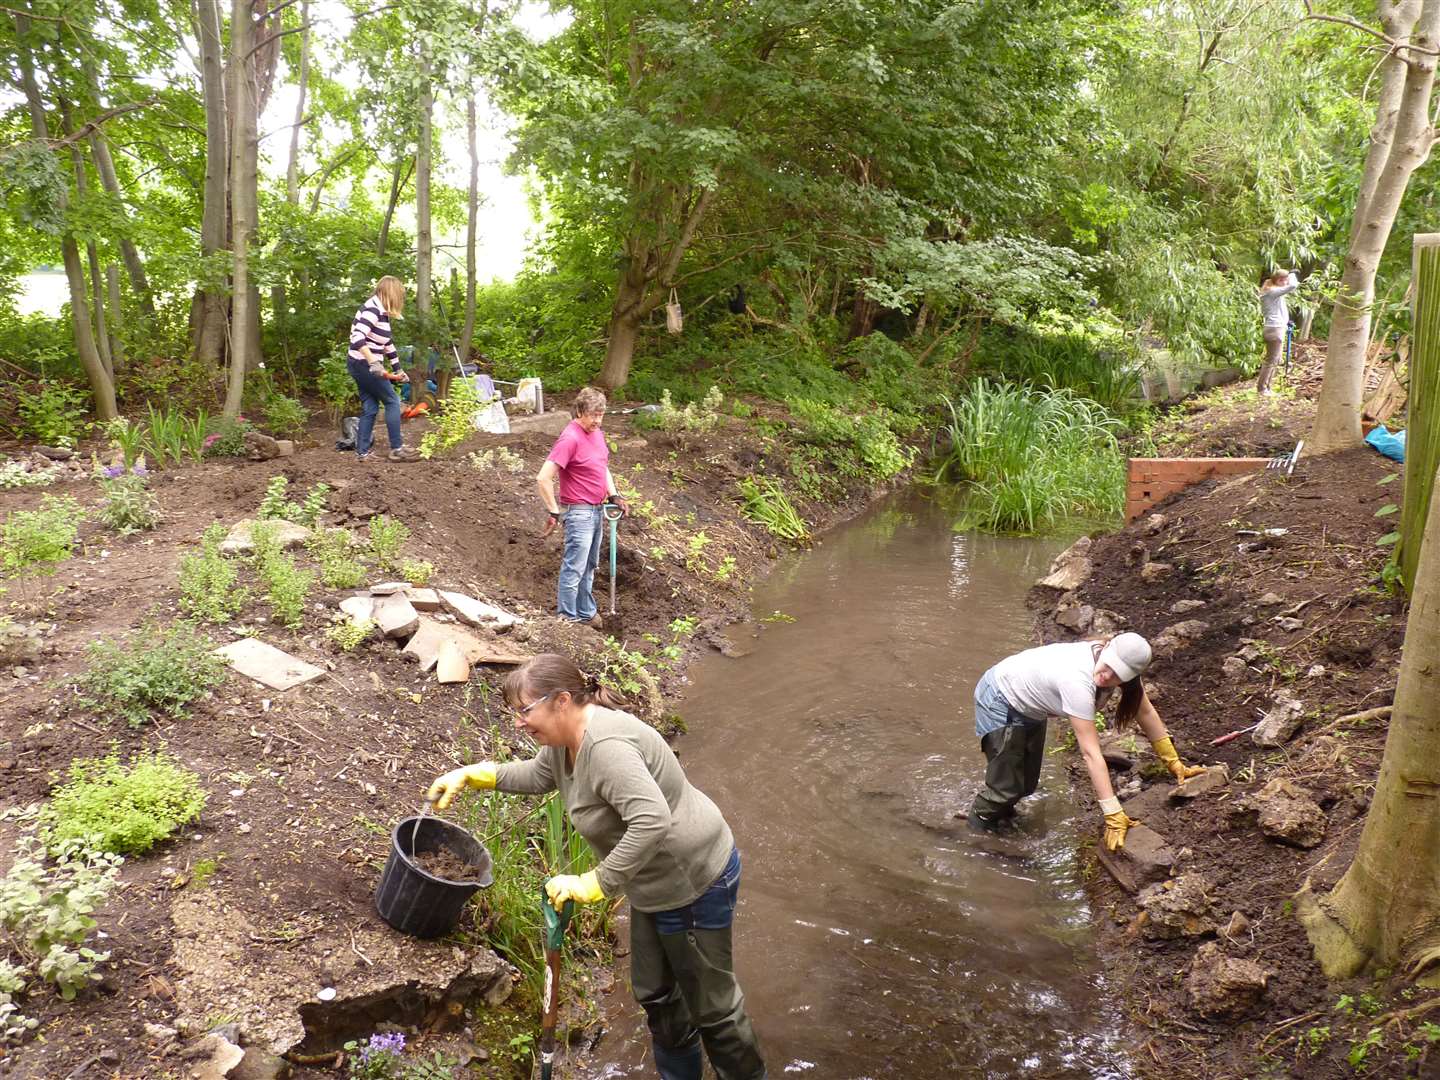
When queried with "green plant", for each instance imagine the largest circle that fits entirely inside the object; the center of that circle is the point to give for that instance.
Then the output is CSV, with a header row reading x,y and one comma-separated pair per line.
x,y
193,436
381,1057
387,537
46,906
207,580
1313,1040
228,438
336,550
149,675
128,437
701,417
286,585
726,568
497,458
277,506
129,506
417,572
695,552
204,871
125,809
14,474
455,420
335,384
36,541
284,415
54,414
165,438
766,503
1360,1050
348,635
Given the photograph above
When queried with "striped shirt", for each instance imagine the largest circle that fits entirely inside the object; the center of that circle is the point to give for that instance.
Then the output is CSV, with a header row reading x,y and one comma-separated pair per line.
x,y
372,327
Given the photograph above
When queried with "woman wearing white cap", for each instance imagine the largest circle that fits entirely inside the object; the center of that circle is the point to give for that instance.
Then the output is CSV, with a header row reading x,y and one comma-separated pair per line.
x,y
1070,679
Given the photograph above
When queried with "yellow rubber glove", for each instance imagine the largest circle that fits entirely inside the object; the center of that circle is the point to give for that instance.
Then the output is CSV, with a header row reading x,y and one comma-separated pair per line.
x,y
1117,823
443,791
582,888
1165,751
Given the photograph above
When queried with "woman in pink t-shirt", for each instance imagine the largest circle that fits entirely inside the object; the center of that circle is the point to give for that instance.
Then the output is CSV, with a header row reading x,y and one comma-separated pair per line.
x,y
580,461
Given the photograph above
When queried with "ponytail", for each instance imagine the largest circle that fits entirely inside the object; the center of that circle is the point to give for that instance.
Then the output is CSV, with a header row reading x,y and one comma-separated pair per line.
x,y
552,673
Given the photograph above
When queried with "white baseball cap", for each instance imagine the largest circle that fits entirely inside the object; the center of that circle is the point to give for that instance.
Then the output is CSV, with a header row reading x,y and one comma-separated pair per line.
x,y
1127,655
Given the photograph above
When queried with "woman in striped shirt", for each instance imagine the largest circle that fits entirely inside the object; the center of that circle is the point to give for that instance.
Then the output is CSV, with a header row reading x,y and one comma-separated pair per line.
x,y
372,364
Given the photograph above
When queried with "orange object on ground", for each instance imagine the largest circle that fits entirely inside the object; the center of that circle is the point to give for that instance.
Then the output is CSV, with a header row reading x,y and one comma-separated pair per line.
x,y
415,410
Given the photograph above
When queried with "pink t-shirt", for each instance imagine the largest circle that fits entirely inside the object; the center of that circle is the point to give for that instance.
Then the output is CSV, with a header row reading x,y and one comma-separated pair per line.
x,y
582,457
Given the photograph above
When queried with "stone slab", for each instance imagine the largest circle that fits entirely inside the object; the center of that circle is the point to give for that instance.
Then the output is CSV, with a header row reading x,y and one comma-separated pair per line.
x,y
423,599
478,613
1144,860
360,609
266,664
240,541
389,588
1214,778
430,637
451,666
1150,803
550,423
396,615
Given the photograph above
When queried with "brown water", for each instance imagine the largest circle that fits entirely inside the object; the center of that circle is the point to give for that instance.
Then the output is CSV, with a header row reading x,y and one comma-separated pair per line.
x,y
877,936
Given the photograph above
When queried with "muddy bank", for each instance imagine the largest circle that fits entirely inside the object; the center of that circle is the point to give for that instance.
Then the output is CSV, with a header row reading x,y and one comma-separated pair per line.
x,y
1264,598
260,915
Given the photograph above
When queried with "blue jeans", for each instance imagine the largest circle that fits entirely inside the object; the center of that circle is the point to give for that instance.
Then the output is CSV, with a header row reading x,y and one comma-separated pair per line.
x,y
584,527
374,392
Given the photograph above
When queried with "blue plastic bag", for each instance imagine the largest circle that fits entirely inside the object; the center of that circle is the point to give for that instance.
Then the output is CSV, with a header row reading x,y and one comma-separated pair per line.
x,y
1392,446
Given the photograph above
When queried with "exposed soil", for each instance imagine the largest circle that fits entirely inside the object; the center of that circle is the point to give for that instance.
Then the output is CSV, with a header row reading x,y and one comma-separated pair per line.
x,y
1309,604
303,785
445,865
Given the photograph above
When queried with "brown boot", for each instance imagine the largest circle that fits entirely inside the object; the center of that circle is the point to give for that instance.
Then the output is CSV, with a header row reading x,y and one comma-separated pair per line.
x,y
405,453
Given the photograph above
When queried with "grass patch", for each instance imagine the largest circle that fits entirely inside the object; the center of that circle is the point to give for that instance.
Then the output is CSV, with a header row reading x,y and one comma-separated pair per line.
x,y
766,503
148,676
125,809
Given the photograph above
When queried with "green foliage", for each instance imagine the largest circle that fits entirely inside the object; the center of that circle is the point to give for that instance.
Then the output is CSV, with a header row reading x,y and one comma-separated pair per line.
x,y
129,506
387,537
336,385
228,438
497,458
208,590
277,505
695,417
46,907
1106,372
128,438
150,675
168,436
417,572
37,541
122,808
286,585
284,415
1360,1049
1032,458
861,447
54,414
14,474
336,551
766,503
347,636
455,421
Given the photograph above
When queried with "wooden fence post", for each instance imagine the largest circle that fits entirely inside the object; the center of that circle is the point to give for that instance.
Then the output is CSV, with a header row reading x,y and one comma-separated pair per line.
x,y
1422,439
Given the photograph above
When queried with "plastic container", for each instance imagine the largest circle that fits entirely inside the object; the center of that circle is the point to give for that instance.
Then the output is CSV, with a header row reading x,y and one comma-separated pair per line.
x,y
416,902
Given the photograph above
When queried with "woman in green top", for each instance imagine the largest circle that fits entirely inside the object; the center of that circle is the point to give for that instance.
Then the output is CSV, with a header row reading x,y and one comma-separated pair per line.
x,y
661,842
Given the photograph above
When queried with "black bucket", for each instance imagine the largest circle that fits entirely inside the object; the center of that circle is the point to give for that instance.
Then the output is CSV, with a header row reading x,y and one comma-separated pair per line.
x,y
421,904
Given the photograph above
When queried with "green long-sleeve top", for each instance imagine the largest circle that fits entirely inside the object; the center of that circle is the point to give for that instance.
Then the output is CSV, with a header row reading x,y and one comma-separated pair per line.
x,y
660,840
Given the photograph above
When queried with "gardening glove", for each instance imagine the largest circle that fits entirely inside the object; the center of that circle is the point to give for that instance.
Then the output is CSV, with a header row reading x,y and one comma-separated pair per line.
x,y
582,888
443,790
1165,751
1117,823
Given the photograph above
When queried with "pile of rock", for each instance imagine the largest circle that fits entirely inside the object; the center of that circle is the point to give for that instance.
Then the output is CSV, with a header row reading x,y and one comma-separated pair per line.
x,y
55,464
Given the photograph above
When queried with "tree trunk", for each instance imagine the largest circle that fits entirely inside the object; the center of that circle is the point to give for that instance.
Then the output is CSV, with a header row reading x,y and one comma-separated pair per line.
x,y
399,176
92,257
211,330
423,248
243,195
105,168
1337,414
115,321
279,302
1385,911
467,335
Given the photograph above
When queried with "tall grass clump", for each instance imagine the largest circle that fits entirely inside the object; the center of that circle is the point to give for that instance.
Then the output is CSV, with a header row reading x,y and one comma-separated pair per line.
x,y
766,503
1104,373
1032,457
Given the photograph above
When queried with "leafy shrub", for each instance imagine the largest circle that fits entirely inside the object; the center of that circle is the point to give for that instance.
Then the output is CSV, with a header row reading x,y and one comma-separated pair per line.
x,y
704,416
336,385
129,507
417,572
15,474
228,438
207,580
455,421
862,447
46,908
387,537
286,585
284,415
497,458
766,503
36,541
55,414
348,635
128,438
277,506
167,436
149,675
123,809
335,550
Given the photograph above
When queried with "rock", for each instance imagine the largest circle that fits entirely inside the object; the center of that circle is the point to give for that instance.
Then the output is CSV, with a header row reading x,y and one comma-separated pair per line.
x,y
1178,908
1070,569
1180,634
54,453
285,447
430,635
20,643
1108,622
1076,617
1315,671
1155,571
396,615
1280,724
1237,927
1152,804
161,1033
220,1054
1155,524
1130,788
1137,555
1180,607
260,1064
1287,814
240,541
360,609
1289,625
1233,667
1270,599
1144,859
498,993
478,613
1251,650
423,599
1222,987
1121,750
451,665
389,588
261,447
1214,778
266,664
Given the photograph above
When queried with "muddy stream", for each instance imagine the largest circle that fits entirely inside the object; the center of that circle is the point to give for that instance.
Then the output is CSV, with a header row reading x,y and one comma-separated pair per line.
x,y
877,936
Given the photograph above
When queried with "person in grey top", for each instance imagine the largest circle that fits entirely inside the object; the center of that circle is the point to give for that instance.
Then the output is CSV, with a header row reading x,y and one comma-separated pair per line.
x,y
661,842
1276,317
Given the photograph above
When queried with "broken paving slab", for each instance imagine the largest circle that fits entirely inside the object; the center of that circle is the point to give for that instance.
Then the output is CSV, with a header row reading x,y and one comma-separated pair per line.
x,y
1144,860
241,539
452,667
423,599
478,613
431,635
396,615
266,664
360,609
1214,778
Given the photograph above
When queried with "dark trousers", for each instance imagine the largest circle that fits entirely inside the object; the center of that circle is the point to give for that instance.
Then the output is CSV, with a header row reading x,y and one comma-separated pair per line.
x,y
1013,756
683,975
374,392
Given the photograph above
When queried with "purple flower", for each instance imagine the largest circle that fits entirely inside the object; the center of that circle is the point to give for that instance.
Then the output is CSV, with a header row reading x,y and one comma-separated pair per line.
x,y
140,470
390,1043
112,471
